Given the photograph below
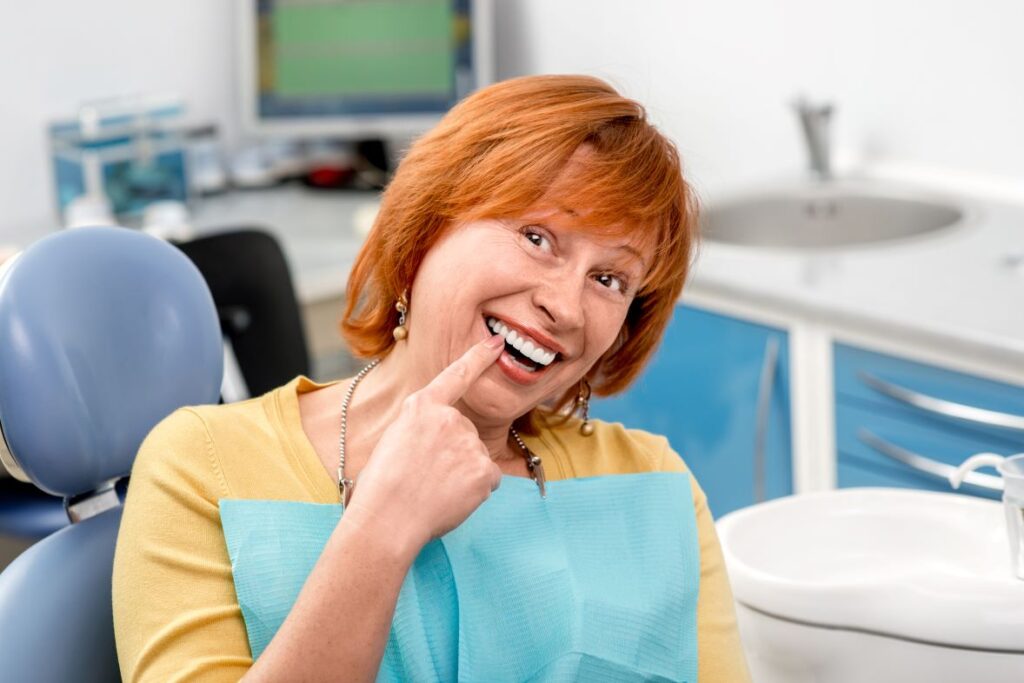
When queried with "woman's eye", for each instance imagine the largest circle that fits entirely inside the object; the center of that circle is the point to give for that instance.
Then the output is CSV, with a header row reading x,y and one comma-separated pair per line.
x,y
538,239
613,282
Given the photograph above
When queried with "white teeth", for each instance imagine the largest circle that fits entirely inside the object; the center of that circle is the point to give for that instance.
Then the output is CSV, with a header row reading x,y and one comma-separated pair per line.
x,y
526,346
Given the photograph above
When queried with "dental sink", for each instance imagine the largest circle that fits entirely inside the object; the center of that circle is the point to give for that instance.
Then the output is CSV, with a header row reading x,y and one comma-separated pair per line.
x,y
828,215
875,584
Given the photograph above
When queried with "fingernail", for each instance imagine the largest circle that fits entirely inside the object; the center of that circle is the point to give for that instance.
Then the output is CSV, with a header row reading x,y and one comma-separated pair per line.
x,y
495,341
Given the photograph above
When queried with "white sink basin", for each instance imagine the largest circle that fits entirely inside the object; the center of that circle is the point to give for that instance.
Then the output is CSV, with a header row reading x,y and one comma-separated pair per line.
x,y
926,575
827,215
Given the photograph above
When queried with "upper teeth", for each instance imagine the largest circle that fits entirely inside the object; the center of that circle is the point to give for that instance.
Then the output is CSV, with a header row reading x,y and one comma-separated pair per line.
x,y
521,343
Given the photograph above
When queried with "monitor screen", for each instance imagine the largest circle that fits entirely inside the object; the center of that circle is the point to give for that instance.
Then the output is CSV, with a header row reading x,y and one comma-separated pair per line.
x,y
360,66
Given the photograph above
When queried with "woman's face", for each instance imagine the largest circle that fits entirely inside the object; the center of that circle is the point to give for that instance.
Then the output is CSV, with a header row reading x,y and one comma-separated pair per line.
x,y
561,288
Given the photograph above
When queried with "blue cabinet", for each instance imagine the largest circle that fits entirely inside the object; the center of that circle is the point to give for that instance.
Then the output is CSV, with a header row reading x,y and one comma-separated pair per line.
x,y
718,388
904,423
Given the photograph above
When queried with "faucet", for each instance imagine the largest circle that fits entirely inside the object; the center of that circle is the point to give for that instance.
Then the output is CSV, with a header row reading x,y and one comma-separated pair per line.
x,y
814,121
1011,468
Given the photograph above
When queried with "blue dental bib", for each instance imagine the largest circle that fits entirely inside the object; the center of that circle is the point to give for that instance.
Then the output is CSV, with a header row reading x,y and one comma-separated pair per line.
x,y
597,582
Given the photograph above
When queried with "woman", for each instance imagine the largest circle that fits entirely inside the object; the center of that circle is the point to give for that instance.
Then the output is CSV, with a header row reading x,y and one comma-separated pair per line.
x,y
530,249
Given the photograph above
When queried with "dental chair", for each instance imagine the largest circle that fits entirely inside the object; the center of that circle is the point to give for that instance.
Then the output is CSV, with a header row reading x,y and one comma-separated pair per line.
x,y
103,333
264,347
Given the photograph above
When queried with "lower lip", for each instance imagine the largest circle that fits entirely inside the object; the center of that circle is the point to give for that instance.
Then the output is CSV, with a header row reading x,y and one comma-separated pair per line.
x,y
515,373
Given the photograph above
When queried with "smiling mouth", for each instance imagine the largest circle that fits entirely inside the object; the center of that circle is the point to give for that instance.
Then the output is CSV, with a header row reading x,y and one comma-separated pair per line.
x,y
524,351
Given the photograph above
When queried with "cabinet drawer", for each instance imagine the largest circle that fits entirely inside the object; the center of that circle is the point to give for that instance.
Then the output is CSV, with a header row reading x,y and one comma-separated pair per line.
x,y
933,394
707,391
863,434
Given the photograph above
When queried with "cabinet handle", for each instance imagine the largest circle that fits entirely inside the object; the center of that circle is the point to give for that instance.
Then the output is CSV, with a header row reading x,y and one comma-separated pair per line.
x,y
920,463
765,387
938,406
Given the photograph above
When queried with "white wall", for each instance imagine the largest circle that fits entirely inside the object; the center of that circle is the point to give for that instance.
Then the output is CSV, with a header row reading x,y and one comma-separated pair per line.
x,y
936,83
56,53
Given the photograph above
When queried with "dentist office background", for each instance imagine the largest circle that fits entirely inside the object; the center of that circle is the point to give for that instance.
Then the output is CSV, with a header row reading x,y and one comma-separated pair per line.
x,y
854,318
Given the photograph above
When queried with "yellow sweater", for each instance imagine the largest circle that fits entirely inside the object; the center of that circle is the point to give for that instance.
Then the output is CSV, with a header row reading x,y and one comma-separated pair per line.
x,y
176,617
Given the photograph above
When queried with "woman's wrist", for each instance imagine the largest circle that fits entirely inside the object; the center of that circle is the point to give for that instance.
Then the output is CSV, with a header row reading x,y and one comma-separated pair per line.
x,y
397,540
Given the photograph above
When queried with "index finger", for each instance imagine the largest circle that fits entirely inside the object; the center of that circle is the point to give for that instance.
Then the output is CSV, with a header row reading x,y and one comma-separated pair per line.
x,y
456,379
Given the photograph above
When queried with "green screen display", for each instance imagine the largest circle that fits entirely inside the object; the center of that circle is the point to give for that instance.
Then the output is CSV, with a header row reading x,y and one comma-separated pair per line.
x,y
363,47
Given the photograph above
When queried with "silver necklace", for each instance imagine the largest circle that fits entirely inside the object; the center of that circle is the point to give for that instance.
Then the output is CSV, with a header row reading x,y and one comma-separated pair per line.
x,y
345,486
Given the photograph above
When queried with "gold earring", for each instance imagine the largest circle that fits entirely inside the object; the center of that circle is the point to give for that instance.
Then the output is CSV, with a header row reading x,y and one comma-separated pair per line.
x,y
402,306
586,429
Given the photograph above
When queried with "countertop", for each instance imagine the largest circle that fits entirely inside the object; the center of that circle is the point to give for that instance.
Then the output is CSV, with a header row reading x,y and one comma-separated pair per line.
x,y
963,285
319,231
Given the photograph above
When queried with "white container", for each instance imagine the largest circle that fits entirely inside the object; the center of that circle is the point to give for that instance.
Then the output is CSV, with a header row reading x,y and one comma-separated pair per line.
x,y
875,584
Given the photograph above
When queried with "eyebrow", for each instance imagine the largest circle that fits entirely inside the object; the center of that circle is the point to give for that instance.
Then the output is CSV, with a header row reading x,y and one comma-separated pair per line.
x,y
634,251
625,247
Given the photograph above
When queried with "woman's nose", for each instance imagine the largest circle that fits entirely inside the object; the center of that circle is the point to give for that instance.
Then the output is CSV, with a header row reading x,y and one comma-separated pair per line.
x,y
560,299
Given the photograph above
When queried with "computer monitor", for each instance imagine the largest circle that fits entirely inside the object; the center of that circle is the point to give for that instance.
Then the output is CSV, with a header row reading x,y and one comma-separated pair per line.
x,y
359,69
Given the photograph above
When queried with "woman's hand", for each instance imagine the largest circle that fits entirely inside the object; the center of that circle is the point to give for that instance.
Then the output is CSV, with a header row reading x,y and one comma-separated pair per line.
x,y
430,470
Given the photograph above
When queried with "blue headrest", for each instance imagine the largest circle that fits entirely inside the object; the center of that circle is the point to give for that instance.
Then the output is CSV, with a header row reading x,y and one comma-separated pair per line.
x,y
103,332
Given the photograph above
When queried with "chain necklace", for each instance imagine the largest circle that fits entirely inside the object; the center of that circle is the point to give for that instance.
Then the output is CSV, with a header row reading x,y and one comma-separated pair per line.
x,y
345,486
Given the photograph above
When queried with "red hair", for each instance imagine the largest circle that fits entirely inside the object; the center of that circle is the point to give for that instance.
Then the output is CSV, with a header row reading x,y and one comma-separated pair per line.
x,y
498,153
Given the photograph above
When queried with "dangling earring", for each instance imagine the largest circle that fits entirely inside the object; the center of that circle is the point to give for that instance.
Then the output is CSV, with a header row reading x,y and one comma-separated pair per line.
x,y
402,306
583,399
